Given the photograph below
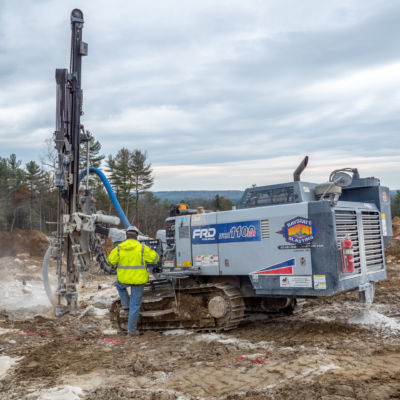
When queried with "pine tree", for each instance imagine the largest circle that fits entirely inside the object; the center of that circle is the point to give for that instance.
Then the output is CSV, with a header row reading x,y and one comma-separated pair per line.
x,y
120,176
17,192
33,176
129,173
221,203
95,158
142,174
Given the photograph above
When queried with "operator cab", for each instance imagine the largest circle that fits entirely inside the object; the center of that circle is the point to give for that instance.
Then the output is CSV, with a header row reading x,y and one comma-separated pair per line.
x,y
272,195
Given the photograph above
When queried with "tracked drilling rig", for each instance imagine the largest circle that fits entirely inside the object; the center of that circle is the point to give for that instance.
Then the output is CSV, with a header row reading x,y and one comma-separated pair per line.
x,y
285,241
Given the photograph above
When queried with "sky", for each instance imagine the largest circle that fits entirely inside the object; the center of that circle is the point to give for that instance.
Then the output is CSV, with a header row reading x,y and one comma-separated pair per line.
x,y
220,94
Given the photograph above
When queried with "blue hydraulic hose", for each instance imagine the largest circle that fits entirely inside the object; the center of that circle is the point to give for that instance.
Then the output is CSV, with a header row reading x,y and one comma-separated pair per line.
x,y
111,194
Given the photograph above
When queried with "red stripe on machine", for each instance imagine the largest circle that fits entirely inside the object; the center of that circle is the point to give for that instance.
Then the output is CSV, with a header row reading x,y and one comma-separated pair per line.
x,y
279,271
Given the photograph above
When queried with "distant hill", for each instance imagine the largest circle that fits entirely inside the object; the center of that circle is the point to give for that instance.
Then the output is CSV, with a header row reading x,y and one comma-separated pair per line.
x,y
176,196
179,195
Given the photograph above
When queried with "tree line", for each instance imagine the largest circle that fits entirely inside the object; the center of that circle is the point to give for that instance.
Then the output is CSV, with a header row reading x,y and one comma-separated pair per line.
x,y
28,195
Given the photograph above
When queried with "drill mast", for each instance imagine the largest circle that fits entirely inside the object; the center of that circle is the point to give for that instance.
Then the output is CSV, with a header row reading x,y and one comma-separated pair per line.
x,y
68,136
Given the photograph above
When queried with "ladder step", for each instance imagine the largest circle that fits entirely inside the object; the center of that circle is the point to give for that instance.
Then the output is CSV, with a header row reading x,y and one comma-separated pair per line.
x,y
153,299
157,313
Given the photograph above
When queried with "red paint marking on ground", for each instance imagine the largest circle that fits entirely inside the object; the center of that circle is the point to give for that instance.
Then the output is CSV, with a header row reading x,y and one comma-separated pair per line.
x,y
109,340
258,360
27,333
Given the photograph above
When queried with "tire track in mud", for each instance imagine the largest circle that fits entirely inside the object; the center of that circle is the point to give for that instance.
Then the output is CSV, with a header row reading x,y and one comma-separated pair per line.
x,y
243,364
299,350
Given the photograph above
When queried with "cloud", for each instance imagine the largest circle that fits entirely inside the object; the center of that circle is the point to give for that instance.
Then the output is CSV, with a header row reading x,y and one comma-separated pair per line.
x,y
243,174
212,88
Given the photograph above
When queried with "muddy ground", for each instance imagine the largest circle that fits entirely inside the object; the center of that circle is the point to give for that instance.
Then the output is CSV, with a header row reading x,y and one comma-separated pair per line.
x,y
333,348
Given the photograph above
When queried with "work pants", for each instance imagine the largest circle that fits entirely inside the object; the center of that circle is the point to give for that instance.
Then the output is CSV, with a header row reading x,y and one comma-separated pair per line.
x,y
132,301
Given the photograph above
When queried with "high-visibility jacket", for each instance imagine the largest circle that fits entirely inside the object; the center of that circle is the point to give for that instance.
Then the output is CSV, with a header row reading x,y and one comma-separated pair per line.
x,y
131,258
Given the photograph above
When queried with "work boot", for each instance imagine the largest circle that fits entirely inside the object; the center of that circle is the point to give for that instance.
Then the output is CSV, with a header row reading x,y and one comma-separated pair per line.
x,y
133,334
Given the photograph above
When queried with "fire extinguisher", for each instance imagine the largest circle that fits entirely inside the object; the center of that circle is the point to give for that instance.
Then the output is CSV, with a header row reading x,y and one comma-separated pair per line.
x,y
346,250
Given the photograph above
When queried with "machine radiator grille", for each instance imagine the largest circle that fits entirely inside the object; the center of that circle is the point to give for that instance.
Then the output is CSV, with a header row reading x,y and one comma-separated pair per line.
x,y
346,225
373,240
265,234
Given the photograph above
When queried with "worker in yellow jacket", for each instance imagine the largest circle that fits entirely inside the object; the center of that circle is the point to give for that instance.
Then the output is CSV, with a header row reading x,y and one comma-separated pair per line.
x,y
131,258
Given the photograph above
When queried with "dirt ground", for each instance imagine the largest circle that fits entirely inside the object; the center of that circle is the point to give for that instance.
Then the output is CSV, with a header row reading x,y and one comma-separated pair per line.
x,y
334,348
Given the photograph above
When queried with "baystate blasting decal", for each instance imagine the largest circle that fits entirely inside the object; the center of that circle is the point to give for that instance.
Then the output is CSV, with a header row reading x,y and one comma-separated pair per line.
x,y
243,231
299,230
283,268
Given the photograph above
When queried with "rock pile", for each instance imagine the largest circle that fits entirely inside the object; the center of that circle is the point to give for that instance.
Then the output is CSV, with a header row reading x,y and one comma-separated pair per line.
x,y
396,226
19,241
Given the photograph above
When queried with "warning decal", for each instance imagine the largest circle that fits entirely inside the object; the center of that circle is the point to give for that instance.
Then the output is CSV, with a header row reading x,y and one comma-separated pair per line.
x,y
319,282
207,260
295,281
384,226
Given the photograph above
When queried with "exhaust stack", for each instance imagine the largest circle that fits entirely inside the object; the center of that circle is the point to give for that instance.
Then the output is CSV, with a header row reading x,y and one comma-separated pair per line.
x,y
300,169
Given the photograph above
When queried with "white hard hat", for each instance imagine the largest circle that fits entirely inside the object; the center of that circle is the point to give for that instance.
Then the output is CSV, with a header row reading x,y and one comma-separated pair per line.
x,y
132,228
